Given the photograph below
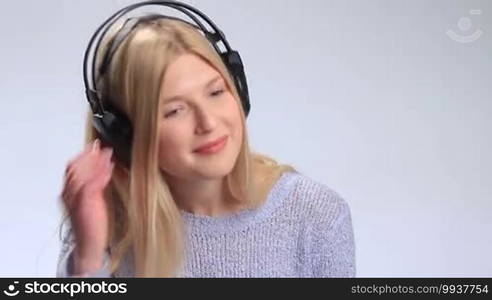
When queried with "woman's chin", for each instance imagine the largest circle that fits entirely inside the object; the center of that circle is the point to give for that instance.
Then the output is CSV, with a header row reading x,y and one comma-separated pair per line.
x,y
214,172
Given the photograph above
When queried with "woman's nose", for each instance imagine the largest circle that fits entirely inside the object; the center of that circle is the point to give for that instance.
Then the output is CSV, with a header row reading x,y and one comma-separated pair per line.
x,y
206,120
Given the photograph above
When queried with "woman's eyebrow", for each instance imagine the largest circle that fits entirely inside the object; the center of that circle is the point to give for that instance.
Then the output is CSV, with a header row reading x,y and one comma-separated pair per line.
x,y
216,78
178,97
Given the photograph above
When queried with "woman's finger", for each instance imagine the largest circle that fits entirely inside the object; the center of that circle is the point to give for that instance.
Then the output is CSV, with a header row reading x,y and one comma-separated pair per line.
x,y
89,147
103,163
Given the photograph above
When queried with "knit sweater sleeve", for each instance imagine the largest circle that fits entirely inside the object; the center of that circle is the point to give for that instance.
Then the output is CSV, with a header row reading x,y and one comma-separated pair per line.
x,y
332,245
65,260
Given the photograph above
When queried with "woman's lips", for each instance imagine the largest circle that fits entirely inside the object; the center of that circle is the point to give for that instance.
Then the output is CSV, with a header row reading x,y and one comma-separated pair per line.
x,y
212,147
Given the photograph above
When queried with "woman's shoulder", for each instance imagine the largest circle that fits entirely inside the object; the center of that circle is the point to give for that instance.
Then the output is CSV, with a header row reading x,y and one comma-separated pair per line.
x,y
325,218
313,200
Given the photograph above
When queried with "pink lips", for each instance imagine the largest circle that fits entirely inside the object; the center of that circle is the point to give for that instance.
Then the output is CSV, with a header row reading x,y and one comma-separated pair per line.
x,y
212,147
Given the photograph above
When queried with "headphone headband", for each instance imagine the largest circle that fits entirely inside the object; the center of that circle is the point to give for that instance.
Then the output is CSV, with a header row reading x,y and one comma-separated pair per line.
x,y
189,10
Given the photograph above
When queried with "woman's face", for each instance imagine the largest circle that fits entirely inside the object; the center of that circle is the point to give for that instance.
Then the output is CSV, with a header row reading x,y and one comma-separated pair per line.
x,y
197,108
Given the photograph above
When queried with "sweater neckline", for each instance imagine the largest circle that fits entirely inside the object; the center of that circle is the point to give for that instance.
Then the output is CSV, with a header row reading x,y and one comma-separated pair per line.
x,y
243,218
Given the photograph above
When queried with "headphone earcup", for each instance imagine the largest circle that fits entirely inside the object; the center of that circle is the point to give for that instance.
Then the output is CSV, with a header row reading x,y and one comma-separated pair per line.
x,y
116,131
233,61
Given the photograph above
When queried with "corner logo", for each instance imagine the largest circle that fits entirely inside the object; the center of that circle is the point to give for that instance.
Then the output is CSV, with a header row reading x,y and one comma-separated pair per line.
x,y
11,290
465,26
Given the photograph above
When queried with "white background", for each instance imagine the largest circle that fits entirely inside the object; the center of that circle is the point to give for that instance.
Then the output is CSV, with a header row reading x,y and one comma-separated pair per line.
x,y
371,98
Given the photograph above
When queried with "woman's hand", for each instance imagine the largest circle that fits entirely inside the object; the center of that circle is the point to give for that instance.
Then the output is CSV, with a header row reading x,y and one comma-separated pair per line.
x,y
86,178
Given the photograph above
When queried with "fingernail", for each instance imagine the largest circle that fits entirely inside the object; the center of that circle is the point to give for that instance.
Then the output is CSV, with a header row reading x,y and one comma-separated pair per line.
x,y
95,145
111,167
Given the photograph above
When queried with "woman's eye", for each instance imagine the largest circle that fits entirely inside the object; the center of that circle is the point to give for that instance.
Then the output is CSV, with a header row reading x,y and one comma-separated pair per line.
x,y
217,93
171,113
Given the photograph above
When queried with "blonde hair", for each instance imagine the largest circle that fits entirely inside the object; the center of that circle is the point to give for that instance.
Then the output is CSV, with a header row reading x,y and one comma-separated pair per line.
x,y
144,218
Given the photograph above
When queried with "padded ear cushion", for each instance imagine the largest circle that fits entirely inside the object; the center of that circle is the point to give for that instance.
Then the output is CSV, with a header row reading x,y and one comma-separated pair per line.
x,y
234,63
115,130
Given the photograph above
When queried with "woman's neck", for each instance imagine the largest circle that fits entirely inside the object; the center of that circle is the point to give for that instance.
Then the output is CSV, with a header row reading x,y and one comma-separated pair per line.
x,y
203,197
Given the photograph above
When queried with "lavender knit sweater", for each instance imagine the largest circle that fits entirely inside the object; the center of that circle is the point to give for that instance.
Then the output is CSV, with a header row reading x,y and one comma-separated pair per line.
x,y
304,229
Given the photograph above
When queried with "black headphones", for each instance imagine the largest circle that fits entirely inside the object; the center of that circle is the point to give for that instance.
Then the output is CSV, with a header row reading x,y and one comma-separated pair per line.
x,y
114,127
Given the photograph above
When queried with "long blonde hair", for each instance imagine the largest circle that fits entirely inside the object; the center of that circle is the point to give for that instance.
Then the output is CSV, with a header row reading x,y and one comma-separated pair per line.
x,y
144,218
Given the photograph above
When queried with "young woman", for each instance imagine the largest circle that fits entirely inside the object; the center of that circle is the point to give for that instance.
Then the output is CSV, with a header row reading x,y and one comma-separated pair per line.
x,y
196,202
